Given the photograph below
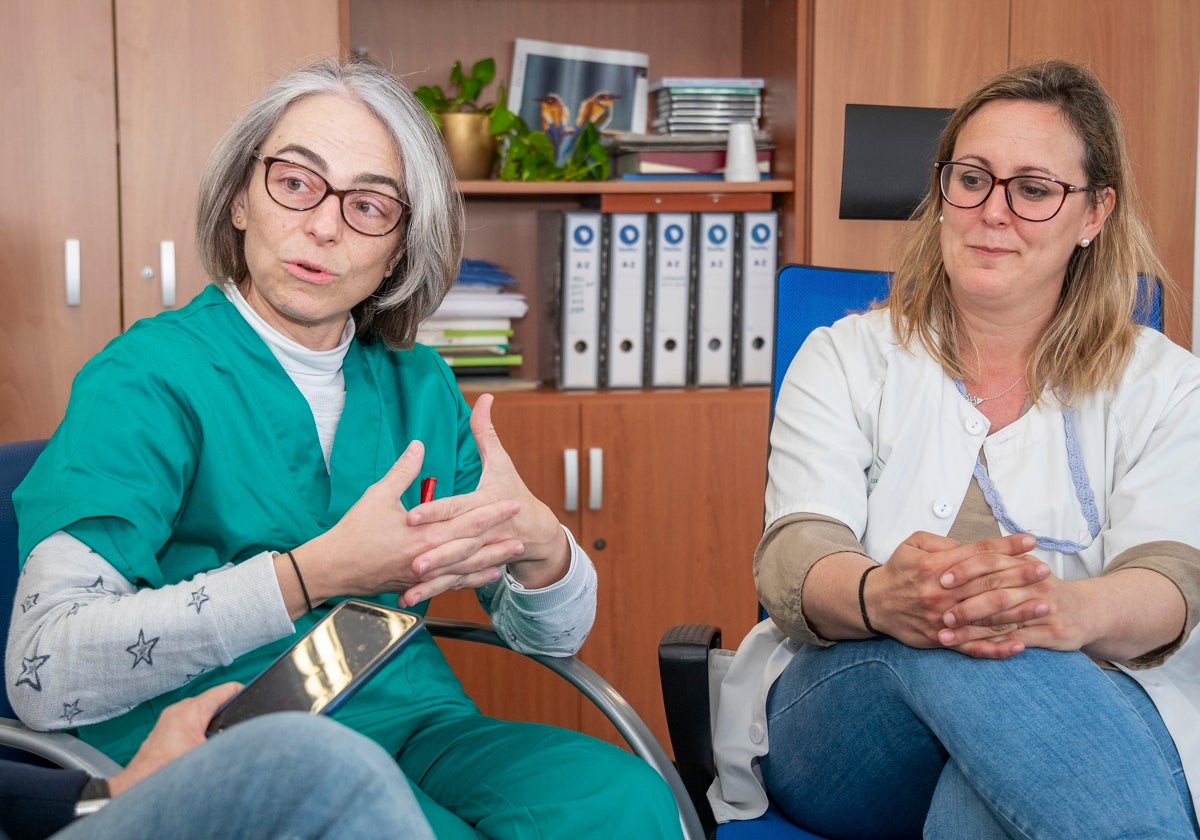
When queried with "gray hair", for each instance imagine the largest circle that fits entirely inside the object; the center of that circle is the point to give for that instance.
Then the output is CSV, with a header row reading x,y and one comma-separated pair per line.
x,y
430,249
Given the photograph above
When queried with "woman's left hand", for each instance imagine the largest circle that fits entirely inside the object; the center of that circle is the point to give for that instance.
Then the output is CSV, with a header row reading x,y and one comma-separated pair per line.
x,y
543,555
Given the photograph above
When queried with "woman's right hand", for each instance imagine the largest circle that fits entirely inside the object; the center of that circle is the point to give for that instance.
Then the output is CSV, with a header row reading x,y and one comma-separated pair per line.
x,y
928,576
372,548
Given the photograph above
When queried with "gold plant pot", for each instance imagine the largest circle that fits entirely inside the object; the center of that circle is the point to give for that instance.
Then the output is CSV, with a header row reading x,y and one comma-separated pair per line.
x,y
472,150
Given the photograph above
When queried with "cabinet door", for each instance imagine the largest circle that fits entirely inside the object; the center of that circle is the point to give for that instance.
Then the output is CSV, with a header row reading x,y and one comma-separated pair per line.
x,y
535,432
59,143
185,71
674,536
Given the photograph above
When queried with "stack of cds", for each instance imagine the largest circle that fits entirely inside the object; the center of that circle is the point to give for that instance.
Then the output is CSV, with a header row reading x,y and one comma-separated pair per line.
x,y
689,104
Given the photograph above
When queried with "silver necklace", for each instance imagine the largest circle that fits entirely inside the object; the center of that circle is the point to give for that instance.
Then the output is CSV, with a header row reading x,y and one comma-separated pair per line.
x,y
975,401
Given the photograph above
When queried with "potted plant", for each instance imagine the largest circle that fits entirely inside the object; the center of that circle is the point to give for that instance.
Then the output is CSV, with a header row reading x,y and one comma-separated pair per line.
x,y
469,128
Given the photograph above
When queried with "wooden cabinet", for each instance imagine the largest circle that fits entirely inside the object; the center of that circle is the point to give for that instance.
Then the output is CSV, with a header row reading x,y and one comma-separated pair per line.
x,y
112,110
672,532
683,471
699,37
59,142
118,102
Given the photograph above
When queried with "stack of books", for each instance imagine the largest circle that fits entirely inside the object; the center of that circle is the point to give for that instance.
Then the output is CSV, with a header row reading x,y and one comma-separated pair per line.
x,y
667,157
472,329
689,104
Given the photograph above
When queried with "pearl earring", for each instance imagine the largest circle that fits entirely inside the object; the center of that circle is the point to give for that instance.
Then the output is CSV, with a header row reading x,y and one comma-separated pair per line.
x,y
1083,243
940,218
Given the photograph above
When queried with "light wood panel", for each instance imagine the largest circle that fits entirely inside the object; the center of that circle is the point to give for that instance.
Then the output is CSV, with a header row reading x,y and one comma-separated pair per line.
x,y
924,53
682,512
58,111
1147,54
184,73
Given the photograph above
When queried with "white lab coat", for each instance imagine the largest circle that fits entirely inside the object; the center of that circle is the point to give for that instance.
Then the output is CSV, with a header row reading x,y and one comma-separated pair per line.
x,y
881,439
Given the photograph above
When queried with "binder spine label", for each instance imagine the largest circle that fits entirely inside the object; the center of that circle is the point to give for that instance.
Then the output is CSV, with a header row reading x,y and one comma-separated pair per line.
x,y
757,252
581,301
714,299
623,352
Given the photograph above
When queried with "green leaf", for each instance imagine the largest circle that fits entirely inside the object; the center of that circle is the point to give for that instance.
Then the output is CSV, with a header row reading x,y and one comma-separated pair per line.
x,y
484,71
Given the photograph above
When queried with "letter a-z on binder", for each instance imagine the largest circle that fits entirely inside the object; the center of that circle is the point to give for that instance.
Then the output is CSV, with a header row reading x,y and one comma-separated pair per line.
x,y
758,249
672,293
624,298
571,249
714,299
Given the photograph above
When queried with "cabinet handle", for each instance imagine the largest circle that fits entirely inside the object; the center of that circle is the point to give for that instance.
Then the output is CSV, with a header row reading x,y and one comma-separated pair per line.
x,y
166,259
595,477
571,480
71,257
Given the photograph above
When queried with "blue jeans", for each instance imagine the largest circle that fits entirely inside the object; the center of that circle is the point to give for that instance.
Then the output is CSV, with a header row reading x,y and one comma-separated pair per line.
x,y
875,739
283,776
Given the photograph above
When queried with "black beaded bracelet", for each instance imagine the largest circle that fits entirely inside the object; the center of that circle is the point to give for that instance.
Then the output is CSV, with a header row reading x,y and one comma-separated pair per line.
x,y
862,601
304,589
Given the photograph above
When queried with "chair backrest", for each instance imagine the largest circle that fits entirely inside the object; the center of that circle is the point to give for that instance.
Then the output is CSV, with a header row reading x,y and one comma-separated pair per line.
x,y
809,296
15,461
1149,308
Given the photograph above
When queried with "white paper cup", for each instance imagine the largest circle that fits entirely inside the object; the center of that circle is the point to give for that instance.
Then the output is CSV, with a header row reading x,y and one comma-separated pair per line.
x,y
741,158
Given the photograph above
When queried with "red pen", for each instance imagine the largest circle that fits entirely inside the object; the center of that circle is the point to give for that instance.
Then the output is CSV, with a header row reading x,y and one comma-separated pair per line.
x,y
427,485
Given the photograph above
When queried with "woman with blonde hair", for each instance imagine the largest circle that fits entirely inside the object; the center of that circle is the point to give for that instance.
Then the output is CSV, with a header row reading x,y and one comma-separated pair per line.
x,y
982,571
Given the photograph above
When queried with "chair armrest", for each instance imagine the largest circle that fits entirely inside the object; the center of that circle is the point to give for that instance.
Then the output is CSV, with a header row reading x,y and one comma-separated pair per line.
x,y
683,669
62,749
606,698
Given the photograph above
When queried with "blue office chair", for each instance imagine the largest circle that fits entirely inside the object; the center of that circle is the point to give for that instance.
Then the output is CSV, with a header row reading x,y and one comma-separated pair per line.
x,y
17,742
807,297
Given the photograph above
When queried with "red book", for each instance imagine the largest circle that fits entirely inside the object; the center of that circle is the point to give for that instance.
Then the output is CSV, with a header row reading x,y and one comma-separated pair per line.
x,y
679,161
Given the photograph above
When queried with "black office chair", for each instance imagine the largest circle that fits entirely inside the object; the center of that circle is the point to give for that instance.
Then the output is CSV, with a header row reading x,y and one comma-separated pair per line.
x,y
18,742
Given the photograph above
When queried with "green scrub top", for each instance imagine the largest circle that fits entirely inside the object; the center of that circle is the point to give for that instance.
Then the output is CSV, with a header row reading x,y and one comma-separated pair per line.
x,y
186,446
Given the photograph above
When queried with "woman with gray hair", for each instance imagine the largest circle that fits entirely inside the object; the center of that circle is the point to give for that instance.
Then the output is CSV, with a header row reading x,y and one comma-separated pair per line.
x,y
228,471
981,566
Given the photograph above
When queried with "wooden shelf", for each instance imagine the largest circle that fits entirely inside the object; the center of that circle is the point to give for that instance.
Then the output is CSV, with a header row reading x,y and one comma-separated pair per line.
x,y
619,187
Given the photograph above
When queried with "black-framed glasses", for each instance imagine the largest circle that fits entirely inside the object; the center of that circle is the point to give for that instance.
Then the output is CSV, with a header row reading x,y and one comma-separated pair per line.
x,y
1034,198
297,187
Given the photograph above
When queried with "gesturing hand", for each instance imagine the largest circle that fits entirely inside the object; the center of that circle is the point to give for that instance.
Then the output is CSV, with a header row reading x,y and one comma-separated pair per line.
x,y
375,548
539,550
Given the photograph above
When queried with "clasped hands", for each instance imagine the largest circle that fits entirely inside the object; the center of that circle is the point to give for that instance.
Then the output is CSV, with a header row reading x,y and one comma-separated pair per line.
x,y
455,542
988,599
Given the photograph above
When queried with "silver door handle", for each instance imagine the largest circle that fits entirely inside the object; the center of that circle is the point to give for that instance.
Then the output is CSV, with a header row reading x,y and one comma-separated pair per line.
x,y
166,259
571,480
595,477
71,258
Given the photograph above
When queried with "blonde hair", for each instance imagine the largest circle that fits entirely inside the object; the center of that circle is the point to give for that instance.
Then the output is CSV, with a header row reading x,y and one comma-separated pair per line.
x,y
1088,342
430,249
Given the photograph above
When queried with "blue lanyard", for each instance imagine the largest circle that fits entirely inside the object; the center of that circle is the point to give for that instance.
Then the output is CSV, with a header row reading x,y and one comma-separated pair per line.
x,y
1079,477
